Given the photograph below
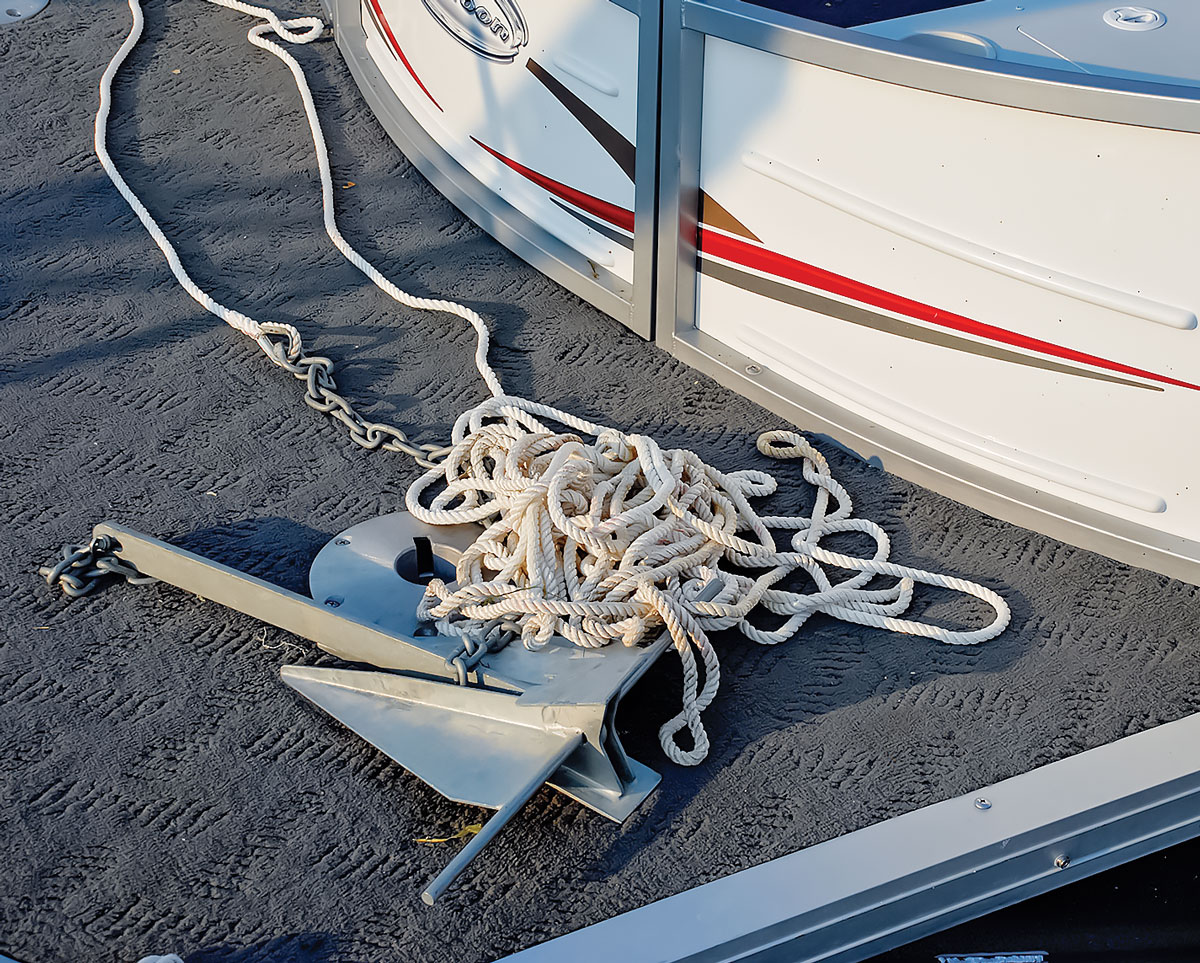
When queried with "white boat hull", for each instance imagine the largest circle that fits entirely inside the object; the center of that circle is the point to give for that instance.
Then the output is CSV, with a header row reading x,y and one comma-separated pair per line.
x,y
975,269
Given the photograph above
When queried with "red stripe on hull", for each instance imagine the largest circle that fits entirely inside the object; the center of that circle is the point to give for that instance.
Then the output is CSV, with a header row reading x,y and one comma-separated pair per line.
x,y
616,216
391,38
781,266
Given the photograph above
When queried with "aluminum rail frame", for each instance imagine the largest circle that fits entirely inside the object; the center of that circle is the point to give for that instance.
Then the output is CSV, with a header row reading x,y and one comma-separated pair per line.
x,y
852,897
686,25
907,877
631,305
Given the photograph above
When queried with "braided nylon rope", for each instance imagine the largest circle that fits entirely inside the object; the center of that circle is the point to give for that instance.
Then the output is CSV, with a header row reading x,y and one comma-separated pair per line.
x,y
604,540
612,540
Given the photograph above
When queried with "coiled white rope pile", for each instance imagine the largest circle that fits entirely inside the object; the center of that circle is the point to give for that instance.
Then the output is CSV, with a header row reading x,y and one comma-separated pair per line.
x,y
590,533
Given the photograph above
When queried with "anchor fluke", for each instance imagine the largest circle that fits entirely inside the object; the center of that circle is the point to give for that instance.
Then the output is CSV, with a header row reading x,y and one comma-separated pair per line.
x,y
474,746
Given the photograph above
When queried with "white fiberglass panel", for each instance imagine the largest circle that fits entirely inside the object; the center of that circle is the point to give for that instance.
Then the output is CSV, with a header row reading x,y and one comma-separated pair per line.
x,y
545,116
1014,289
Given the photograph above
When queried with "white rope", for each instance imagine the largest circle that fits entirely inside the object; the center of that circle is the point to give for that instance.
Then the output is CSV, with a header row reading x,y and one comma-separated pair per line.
x,y
238,320
614,539
301,30
609,539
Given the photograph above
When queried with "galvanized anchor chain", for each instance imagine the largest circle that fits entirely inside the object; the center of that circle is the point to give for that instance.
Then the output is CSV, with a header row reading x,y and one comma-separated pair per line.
x,y
83,566
471,652
284,346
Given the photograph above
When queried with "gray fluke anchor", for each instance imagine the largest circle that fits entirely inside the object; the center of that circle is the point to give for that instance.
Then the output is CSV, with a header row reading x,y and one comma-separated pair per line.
x,y
486,729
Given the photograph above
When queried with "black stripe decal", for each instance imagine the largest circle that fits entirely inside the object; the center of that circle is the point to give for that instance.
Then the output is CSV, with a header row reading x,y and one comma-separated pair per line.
x,y
811,301
597,225
618,146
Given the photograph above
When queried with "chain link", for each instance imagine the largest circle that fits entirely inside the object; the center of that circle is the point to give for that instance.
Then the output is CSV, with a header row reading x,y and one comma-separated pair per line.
x,y
83,566
471,650
283,345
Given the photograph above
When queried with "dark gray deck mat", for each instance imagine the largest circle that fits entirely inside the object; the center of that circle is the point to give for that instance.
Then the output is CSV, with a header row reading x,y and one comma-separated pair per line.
x,y
161,789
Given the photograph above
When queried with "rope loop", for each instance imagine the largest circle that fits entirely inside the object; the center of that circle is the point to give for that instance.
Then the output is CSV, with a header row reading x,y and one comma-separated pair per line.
x,y
281,342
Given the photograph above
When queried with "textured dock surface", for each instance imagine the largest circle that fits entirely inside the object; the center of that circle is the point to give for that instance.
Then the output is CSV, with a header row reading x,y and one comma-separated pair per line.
x,y
160,789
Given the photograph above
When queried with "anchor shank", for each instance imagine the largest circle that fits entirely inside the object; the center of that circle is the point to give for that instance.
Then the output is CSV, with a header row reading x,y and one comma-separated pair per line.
x,y
336,634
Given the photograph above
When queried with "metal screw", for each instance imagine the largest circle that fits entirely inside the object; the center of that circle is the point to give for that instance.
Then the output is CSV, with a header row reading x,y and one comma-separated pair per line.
x,y
982,803
753,369
333,603
1062,862
342,541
